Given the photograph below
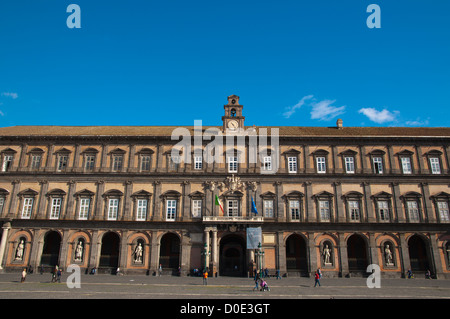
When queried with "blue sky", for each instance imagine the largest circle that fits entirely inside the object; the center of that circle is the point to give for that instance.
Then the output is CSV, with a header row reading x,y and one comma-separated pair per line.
x,y
293,63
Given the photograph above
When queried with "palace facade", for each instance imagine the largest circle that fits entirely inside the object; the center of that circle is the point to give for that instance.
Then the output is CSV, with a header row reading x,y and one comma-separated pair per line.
x,y
335,198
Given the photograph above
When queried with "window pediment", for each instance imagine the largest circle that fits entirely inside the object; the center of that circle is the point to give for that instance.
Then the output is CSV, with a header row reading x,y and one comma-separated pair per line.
x,y
56,192
112,193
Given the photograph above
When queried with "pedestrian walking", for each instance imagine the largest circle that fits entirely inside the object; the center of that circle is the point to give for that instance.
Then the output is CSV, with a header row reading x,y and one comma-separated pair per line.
x,y
256,283
278,274
58,275
205,278
160,270
316,279
24,275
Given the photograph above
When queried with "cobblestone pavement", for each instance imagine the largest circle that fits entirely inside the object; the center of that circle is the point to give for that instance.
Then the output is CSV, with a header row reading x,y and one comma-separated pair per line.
x,y
39,286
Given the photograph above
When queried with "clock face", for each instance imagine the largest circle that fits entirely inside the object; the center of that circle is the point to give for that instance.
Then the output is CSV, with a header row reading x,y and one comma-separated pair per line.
x,y
233,124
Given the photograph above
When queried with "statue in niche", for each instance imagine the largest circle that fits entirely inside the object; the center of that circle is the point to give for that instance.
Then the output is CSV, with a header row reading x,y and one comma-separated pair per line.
x,y
138,252
326,255
19,251
79,251
388,255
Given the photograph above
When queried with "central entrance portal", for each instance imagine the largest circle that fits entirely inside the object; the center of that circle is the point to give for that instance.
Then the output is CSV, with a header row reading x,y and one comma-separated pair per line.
x,y
232,256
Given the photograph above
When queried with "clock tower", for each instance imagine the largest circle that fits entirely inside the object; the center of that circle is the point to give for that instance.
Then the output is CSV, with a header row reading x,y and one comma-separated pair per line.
x,y
233,120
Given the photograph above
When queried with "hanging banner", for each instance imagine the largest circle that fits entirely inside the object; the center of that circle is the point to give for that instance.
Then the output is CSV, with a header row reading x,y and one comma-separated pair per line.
x,y
254,237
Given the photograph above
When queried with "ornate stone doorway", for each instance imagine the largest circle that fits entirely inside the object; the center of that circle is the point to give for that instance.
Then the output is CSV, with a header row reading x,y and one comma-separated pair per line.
x,y
296,257
169,256
232,256
357,254
50,251
109,255
418,254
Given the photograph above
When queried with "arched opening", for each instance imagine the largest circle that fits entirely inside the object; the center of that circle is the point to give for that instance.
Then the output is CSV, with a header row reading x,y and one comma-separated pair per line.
x,y
296,259
357,254
418,254
109,255
232,256
169,255
50,251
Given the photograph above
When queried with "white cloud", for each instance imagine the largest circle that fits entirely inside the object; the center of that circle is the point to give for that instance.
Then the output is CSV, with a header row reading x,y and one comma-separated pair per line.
x,y
324,110
379,117
418,122
291,110
11,95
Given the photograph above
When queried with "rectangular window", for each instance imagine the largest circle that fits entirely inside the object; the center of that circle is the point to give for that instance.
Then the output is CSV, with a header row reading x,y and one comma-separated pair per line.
x,y
197,208
36,161
2,204
294,209
141,213
7,163
89,163
324,208
232,208
56,208
321,166
353,207
62,162
113,208
174,162
145,163
267,163
413,211
383,210
268,208
349,165
198,162
378,165
171,209
443,211
406,165
435,167
117,163
232,164
27,208
292,164
84,208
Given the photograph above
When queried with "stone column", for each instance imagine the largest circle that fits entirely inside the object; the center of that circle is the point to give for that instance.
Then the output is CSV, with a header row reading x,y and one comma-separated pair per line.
x,y
430,216
312,254
98,211
340,209
94,258
434,256
343,255
69,214
404,254
281,217
371,218
399,212
63,250
41,212
206,239
281,247
311,215
127,214
157,201
11,213
6,227
154,254
214,250
123,250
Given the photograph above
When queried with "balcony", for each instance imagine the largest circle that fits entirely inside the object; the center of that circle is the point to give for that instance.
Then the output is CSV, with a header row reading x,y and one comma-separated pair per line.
x,y
233,219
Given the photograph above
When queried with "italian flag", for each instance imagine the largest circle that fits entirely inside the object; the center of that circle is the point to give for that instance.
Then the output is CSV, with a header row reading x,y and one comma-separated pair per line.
x,y
218,203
